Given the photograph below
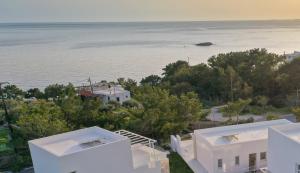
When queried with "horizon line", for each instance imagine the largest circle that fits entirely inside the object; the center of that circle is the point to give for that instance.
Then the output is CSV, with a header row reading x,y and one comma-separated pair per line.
x,y
153,21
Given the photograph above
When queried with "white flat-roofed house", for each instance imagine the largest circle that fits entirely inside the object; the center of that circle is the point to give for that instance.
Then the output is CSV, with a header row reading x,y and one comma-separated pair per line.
x,y
95,150
284,149
113,93
106,92
228,149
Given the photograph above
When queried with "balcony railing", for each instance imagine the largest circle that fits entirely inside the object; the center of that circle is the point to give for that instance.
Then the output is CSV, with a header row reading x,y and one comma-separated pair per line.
x,y
136,139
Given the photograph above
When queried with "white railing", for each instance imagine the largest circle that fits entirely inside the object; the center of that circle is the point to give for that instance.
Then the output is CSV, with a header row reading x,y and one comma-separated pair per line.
x,y
139,139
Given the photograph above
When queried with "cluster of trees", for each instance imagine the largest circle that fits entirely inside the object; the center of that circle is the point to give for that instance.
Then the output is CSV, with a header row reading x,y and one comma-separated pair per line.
x,y
233,76
152,112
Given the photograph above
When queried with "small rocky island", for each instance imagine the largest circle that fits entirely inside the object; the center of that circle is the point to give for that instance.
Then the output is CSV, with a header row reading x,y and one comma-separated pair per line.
x,y
205,44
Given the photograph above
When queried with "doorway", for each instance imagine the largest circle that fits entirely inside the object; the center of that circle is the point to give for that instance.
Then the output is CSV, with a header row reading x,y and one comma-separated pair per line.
x,y
252,162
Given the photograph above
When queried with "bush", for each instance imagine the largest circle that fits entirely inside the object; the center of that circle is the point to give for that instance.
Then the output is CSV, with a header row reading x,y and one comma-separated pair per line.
x,y
272,117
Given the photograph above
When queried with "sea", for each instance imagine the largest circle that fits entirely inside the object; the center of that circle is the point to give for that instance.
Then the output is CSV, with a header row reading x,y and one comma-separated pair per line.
x,y
34,55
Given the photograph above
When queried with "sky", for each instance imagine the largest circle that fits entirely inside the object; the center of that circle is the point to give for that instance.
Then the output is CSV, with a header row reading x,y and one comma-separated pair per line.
x,y
146,10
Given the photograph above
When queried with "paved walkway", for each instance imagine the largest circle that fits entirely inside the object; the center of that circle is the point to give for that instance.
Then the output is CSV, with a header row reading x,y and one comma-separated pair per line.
x,y
216,115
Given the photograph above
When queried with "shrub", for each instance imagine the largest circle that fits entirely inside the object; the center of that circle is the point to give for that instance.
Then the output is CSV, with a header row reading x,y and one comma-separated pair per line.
x,y
272,117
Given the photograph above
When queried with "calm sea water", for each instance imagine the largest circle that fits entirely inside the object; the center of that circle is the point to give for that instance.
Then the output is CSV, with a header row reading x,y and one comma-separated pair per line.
x,y
38,54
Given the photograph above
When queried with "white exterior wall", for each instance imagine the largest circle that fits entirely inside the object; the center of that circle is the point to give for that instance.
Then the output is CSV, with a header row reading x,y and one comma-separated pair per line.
x,y
204,153
124,96
43,161
111,158
208,156
228,154
64,153
284,153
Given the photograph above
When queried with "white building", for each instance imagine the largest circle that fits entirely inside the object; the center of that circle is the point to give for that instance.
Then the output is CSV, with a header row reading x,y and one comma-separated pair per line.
x,y
95,150
284,149
292,56
229,149
106,92
113,93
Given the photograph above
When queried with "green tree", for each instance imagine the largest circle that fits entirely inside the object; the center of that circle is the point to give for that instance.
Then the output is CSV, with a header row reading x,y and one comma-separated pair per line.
x,y
34,92
262,101
58,91
12,91
163,114
236,108
128,84
153,80
41,119
71,106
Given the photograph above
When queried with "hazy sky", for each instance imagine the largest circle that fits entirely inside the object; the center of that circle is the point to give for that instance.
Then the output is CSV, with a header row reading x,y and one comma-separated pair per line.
x,y
146,10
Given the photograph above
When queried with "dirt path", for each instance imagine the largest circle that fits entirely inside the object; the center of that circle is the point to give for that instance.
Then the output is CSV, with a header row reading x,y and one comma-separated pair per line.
x,y
216,115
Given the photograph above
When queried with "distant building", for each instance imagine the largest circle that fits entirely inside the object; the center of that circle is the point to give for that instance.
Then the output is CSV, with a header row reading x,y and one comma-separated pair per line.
x,y
292,56
95,150
228,149
284,149
106,92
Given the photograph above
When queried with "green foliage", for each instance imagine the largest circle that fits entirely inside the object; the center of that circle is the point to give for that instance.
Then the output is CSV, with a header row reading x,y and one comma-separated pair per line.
x,y
153,80
272,117
57,91
5,146
228,77
178,165
163,114
40,119
256,110
296,112
34,92
128,84
236,108
12,91
131,104
261,101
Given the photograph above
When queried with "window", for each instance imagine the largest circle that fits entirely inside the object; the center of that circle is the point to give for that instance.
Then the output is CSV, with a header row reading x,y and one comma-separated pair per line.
x,y
237,160
263,156
297,168
220,163
118,99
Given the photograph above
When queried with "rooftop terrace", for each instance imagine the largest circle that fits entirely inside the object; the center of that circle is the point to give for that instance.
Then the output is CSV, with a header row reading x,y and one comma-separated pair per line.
x,y
75,141
227,135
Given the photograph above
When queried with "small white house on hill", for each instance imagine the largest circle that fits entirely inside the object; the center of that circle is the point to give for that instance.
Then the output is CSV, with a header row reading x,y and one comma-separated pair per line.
x,y
95,150
106,92
113,93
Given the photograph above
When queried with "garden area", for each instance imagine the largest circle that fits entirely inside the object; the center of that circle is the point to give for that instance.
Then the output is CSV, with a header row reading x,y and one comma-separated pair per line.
x,y
6,150
177,164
